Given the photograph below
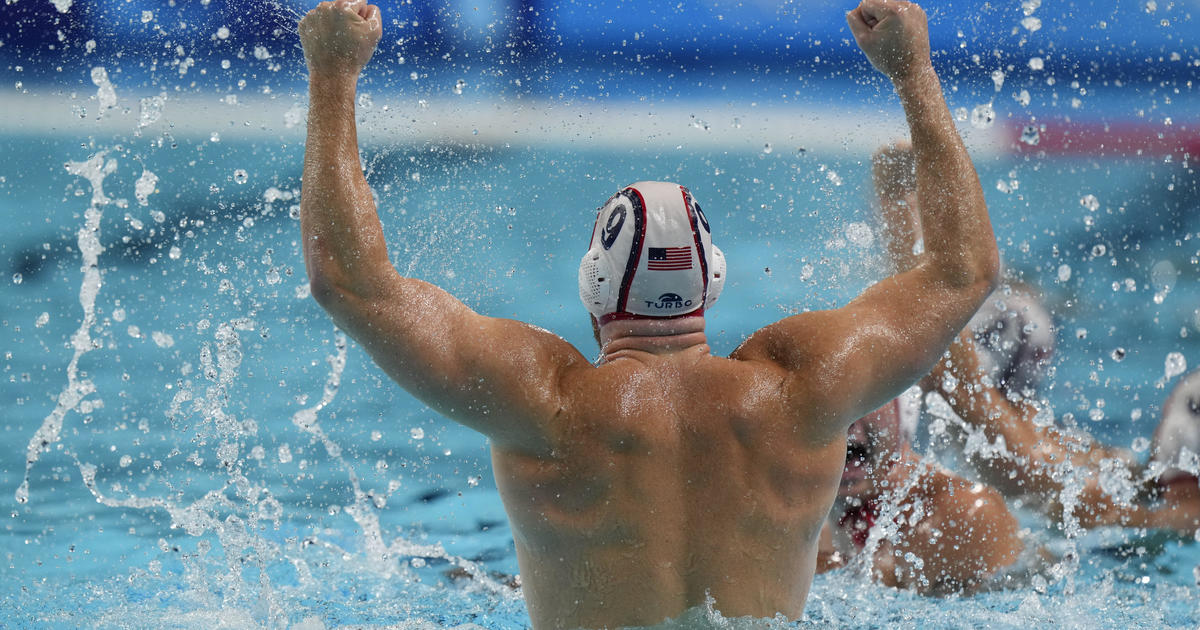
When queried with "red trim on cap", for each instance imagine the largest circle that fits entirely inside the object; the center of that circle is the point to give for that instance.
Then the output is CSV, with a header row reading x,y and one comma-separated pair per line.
x,y
612,317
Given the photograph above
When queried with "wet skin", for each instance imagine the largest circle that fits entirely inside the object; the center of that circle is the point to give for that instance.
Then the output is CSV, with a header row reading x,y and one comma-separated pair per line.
x,y
965,533
665,476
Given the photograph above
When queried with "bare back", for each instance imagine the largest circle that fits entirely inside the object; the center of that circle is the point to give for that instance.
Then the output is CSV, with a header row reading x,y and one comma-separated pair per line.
x,y
673,477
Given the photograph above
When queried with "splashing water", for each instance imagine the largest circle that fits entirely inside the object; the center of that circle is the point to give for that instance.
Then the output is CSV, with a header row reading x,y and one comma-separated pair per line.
x,y
983,116
145,186
106,94
1174,365
94,169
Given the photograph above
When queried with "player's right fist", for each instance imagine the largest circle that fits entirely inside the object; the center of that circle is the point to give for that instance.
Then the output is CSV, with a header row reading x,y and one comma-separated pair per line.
x,y
893,34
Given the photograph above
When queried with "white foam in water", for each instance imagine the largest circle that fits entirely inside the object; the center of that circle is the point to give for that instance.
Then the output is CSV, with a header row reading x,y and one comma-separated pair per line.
x,y
94,169
62,5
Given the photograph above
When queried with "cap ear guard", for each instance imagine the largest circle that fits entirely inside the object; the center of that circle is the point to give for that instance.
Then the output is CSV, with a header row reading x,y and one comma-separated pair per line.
x,y
717,282
597,288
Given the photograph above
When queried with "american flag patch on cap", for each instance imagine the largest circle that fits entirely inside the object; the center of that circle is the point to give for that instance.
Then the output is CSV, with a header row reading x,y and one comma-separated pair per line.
x,y
669,258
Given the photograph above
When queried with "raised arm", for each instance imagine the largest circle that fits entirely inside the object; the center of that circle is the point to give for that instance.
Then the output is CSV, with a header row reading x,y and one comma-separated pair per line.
x,y
497,376
849,361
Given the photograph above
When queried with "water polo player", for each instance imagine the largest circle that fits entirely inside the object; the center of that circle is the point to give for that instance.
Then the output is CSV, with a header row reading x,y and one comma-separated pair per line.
x,y
997,364
935,532
662,477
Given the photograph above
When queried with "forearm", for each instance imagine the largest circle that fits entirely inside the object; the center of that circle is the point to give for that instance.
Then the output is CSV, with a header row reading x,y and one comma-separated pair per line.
x,y
344,245
957,233
894,188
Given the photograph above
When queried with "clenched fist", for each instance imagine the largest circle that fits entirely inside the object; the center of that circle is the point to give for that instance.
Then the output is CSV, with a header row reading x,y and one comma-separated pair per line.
x,y
340,37
893,34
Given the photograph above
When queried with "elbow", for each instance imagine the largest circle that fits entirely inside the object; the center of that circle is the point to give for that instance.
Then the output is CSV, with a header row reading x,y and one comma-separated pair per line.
x,y
974,273
325,289
987,269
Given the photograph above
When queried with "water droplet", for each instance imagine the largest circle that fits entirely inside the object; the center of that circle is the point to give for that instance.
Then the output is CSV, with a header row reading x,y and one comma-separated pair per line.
x,y
1030,135
1163,276
1036,63
1118,354
42,319
983,116
413,75
1031,23
459,85
215,137
240,176
125,461
961,114
1098,250
147,17
150,110
223,33
473,481
174,253
1174,365
998,79
1139,445
144,187
860,234
261,53
417,433
767,148
18,278
1064,272
1090,202
1081,333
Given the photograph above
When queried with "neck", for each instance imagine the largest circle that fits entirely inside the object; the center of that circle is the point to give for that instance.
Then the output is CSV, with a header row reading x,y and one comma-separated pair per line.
x,y
629,337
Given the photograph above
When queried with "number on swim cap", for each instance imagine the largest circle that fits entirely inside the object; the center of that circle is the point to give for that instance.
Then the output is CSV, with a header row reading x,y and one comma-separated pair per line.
x,y
612,227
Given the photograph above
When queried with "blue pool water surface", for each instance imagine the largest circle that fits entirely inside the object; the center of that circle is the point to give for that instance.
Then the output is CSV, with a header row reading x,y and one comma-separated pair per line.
x,y
218,455
212,504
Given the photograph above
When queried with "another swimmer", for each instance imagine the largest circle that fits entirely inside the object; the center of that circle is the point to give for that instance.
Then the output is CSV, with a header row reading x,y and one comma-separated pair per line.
x,y
947,535
996,366
662,477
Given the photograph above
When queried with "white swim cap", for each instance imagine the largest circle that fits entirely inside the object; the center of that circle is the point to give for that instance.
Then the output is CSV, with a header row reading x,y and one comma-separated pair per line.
x,y
1016,334
1179,428
651,255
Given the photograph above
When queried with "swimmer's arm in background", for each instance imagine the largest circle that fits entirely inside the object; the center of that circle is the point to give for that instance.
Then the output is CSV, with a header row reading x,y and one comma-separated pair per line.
x,y
847,362
499,377
1035,451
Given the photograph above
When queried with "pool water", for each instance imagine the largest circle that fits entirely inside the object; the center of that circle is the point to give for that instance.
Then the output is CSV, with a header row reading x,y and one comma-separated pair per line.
x,y
231,461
